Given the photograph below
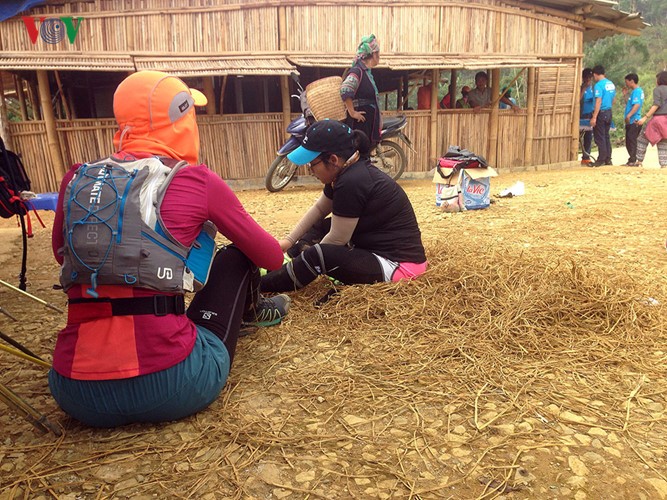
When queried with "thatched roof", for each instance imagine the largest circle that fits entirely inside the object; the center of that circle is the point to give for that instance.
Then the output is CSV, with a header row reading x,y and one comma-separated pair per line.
x,y
224,65
75,61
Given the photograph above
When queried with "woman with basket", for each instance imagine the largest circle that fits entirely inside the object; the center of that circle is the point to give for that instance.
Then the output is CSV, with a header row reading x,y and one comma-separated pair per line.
x,y
359,92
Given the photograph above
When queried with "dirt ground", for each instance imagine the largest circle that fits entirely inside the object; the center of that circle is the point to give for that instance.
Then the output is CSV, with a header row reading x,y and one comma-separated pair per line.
x,y
374,394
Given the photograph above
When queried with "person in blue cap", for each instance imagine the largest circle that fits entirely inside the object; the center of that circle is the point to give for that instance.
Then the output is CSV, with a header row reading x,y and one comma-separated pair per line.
x,y
372,235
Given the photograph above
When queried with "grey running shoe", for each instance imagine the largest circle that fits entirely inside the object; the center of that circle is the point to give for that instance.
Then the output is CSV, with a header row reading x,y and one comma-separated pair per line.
x,y
268,311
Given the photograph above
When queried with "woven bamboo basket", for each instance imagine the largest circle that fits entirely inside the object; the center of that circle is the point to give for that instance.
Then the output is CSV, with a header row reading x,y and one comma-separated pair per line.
x,y
324,98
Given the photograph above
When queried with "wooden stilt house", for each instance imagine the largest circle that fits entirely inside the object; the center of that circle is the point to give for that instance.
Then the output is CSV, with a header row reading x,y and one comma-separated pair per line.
x,y
65,59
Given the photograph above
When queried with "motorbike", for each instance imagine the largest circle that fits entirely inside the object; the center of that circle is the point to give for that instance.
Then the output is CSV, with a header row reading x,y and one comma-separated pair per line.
x,y
387,155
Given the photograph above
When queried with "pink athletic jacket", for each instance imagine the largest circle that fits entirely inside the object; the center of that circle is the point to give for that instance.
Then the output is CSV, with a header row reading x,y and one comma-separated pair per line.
x,y
128,346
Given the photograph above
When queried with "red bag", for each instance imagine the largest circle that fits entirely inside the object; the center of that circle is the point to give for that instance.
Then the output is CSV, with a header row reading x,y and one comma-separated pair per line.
x,y
453,163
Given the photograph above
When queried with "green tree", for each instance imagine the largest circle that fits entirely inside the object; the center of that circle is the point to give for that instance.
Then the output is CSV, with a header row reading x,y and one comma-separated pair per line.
x,y
654,12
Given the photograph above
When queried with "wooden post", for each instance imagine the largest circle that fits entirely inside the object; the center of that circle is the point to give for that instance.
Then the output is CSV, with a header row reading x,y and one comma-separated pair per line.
x,y
530,118
32,94
435,80
50,122
222,94
452,90
284,79
18,84
63,99
399,94
265,95
4,119
493,118
574,146
287,107
238,93
210,95
72,108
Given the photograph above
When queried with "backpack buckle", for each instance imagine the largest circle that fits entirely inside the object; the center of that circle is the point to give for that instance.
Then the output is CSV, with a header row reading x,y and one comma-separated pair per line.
x,y
160,305
168,304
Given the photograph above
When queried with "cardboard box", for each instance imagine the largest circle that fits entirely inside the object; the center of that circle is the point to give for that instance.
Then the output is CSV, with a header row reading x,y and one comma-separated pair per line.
x,y
475,187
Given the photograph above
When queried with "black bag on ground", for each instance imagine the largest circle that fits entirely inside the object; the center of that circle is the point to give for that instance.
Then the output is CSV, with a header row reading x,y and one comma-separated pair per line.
x,y
13,180
464,156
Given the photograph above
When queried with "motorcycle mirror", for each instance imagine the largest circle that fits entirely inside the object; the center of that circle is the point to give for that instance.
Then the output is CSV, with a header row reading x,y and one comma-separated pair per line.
x,y
294,76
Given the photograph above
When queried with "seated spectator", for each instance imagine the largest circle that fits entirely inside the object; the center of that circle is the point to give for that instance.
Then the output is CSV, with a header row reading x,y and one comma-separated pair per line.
x,y
446,101
463,103
424,98
480,96
507,96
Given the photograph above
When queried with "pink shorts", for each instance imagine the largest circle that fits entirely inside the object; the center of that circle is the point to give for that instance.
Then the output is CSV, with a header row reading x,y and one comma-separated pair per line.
x,y
408,270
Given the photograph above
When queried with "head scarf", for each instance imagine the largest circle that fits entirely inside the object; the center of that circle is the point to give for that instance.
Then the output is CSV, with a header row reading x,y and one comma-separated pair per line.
x,y
368,45
155,114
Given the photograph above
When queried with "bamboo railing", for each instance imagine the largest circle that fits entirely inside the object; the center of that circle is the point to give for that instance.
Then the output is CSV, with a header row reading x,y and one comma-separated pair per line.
x,y
243,146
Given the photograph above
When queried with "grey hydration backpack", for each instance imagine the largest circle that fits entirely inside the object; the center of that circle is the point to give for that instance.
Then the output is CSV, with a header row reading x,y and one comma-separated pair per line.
x,y
114,234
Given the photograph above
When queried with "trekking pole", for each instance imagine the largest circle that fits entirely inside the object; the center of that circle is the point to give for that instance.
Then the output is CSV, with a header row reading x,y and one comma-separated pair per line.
x,y
24,256
18,345
20,354
36,299
11,399
2,311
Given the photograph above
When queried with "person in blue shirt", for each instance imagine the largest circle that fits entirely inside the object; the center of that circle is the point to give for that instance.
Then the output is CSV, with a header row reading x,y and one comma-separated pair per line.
x,y
634,96
586,107
507,92
605,92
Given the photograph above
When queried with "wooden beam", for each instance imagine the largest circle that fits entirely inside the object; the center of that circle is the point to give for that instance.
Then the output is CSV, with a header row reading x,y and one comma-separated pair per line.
x,y
530,117
435,80
287,107
585,9
604,25
493,118
50,122
574,146
32,95
63,98
238,94
4,119
18,84
209,92
222,94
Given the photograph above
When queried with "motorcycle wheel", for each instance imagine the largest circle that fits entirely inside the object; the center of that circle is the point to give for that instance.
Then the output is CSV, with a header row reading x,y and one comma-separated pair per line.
x,y
390,158
280,174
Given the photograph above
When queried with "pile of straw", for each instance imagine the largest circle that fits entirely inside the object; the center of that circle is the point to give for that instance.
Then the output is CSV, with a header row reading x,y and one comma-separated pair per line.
x,y
488,371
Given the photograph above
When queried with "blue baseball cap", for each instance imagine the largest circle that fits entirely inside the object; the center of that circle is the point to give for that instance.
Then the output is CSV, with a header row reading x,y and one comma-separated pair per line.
x,y
328,136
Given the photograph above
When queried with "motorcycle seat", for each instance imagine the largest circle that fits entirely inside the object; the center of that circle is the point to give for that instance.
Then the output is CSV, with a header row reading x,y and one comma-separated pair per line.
x,y
393,122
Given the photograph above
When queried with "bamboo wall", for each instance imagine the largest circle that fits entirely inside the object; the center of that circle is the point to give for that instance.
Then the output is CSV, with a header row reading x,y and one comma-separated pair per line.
x,y
243,146
215,27
557,93
490,29
234,146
